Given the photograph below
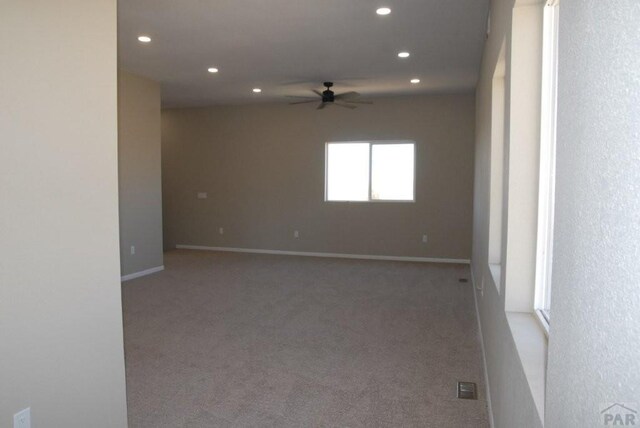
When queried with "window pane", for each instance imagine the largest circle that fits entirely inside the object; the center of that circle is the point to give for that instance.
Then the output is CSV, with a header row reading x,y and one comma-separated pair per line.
x,y
348,171
392,172
546,184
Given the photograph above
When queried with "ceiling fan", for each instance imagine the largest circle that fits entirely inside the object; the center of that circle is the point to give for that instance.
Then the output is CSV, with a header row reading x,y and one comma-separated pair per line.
x,y
346,100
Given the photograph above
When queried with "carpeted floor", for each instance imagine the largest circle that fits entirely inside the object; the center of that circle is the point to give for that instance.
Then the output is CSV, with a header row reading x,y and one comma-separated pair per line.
x,y
222,339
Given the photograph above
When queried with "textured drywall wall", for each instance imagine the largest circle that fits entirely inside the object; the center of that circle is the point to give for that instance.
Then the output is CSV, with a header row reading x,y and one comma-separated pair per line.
x,y
140,186
61,349
263,168
511,399
595,331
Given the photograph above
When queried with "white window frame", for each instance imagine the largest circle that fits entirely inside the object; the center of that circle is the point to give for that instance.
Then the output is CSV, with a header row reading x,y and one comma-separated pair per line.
x,y
371,144
546,200
497,170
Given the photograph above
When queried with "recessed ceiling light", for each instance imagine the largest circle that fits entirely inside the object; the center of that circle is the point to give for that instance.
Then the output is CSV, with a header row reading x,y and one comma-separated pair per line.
x,y
144,39
257,90
404,54
212,70
383,11
415,80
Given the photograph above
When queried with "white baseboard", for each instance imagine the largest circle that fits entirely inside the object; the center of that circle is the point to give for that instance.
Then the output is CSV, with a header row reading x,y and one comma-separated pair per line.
x,y
331,255
484,355
141,273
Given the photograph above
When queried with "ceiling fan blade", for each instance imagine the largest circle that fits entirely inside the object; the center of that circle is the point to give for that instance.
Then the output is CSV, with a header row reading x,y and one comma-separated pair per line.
x,y
317,92
357,101
303,102
345,105
321,105
302,97
346,95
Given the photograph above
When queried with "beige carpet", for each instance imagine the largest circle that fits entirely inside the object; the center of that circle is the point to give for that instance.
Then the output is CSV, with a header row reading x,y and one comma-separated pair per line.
x,y
222,339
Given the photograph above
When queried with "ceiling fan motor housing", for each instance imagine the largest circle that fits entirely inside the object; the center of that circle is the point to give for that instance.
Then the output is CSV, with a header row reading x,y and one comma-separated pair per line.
x,y
328,95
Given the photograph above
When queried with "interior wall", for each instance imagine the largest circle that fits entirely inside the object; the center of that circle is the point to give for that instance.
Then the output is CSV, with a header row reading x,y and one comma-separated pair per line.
x,y
512,402
61,347
263,168
140,186
595,322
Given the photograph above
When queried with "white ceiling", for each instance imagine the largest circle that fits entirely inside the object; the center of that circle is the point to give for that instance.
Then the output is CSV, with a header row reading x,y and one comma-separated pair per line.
x,y
292,46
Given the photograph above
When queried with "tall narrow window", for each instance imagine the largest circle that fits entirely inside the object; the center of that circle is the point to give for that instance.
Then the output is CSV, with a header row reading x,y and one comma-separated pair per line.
x,y
547,162
496,190
370,171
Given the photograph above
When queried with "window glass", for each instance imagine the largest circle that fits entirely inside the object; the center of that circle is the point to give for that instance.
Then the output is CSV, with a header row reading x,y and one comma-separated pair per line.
x,y
347,172
392,172
370,171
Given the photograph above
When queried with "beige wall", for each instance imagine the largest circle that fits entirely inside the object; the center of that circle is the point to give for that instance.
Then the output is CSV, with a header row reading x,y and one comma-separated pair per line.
x,y
263,169
139,173
595,321
61,350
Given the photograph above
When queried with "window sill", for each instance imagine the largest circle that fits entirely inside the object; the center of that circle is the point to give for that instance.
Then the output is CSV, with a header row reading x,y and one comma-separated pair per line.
x,y
543,322
531,344
372,201
496,273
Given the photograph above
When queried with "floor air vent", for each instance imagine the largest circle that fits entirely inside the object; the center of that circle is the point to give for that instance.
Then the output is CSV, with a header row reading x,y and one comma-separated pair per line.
x,y
467,391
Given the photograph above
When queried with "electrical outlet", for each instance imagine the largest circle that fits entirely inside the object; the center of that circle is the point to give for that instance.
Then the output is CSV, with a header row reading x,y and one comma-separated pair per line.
x,y
296,234
133,250
202,195
424,238
22,419
221,231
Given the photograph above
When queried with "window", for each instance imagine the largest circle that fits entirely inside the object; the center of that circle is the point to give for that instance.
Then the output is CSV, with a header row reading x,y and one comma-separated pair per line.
x,y
497,166
370,171
547,162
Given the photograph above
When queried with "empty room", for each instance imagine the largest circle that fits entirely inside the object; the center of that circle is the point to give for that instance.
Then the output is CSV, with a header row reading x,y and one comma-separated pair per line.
x,y
319,213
